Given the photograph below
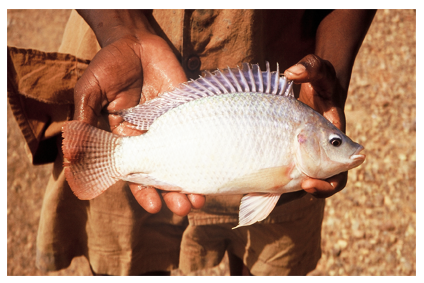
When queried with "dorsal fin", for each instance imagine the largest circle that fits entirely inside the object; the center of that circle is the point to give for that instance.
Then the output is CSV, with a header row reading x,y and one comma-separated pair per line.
x,y
248,79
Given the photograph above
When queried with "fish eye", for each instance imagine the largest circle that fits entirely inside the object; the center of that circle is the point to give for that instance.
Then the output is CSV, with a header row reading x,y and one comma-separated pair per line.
x,y
335,140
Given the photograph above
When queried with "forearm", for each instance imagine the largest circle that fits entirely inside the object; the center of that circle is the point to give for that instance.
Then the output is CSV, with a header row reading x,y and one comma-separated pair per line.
x,y
338,39
110,25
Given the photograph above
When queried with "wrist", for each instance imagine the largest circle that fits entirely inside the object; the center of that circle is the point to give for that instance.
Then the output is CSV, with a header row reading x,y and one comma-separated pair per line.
x,y
338,39
112,25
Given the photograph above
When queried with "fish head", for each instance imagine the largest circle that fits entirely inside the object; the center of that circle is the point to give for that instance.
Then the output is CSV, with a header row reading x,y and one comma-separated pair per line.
x,y
322,150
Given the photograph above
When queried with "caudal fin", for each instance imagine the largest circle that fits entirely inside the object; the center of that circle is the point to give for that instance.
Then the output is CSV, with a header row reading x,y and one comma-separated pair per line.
x,y
90,167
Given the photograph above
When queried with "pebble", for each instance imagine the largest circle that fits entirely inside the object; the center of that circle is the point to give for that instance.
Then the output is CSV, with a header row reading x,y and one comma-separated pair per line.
x,y
342,244
410,231
358,234
402,157
368,211
387,201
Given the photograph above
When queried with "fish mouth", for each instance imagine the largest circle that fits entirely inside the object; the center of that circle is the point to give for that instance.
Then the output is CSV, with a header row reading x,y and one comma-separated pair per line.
x,y
357,157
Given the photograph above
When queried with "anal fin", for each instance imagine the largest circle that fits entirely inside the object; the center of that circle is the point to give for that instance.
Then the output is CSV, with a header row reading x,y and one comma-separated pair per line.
x,y
255,207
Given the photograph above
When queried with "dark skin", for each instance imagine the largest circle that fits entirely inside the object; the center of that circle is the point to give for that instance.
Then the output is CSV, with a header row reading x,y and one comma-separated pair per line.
x,y
325,77
135,65
145,66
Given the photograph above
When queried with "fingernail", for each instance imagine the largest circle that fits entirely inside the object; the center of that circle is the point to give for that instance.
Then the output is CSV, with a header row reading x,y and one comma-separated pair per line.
x,y
297,69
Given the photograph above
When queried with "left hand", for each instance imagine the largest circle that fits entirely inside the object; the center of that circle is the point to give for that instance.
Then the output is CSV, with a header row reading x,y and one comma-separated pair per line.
x,y
320,89
113,81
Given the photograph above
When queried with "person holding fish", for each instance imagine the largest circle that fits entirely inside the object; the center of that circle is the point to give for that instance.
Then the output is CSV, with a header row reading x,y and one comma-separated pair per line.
x,y
185,158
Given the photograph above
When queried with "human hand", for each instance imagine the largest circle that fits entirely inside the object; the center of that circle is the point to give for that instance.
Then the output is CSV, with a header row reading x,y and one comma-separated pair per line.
x,y
124,73
321,90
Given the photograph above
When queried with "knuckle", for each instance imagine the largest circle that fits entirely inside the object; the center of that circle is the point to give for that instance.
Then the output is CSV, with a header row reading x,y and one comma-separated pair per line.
x,y
313,65
318,68
311,61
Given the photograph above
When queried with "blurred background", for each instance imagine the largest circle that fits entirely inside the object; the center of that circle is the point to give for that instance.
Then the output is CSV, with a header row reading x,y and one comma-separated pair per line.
x,y
369,227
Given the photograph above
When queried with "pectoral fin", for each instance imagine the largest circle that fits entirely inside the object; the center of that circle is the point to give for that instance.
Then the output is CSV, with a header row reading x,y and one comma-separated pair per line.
x,y
256,207
267,179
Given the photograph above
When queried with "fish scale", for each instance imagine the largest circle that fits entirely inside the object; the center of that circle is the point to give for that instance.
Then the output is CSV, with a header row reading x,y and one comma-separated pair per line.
x,y
217,135
201,124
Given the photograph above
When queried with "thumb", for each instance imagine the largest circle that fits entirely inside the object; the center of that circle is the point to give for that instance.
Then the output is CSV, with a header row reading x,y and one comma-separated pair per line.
x,y
318,72
320,88
88,100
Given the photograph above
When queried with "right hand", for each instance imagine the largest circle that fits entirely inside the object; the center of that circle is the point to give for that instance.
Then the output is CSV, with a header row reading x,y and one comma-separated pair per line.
x,y
320,89
123,74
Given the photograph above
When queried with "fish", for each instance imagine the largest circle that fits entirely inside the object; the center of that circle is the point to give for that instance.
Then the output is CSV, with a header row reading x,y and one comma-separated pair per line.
x,y
231,131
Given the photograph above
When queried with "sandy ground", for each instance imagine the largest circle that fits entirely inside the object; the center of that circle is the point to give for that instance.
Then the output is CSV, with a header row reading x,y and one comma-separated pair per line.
x,y
369,228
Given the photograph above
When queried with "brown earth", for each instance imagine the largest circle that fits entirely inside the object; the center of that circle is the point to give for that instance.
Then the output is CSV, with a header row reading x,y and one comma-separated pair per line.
x,y
369,228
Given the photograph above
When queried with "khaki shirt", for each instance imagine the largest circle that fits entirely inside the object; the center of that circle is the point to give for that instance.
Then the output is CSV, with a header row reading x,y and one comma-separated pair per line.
x,y
113,231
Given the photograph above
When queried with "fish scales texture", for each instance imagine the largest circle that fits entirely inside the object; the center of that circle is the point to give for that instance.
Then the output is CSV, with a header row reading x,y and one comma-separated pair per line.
x,y
233,131
233,80
204,144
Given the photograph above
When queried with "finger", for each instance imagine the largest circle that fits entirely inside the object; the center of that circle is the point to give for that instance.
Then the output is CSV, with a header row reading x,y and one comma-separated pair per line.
x,y
320,88
126,129
88,100
176,202
197,201
125,99
318,188
156,66
325,188
311,68
147,197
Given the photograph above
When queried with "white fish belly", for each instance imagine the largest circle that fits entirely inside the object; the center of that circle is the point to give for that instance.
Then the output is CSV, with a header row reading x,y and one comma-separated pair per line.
x,y
203,145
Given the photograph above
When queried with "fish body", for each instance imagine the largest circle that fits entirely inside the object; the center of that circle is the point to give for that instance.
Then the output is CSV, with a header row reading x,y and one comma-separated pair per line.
x,y
233,132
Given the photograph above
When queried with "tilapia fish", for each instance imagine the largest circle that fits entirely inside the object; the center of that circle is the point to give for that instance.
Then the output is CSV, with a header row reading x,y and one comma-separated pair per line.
x,y
234,131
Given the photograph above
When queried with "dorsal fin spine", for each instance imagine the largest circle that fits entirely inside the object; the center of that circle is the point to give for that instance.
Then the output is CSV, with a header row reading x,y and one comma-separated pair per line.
x,y
239,89
215,79
282,85
289,91
201,86
277,76
260,80
249,79
206,80
232,89
197,91
268,78
243,79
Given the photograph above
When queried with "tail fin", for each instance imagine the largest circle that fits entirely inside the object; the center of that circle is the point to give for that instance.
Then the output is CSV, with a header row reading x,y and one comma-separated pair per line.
x,y
90,168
